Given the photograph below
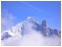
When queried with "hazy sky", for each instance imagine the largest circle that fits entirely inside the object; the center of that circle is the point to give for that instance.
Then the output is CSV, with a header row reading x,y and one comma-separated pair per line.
x,y
49,11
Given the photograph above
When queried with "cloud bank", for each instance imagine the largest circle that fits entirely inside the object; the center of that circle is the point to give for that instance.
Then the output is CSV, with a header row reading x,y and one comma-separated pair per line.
x,y
31,38
6,19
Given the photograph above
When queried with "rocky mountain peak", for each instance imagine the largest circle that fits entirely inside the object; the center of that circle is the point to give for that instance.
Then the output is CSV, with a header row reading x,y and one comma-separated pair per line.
x,y
43,23
32,20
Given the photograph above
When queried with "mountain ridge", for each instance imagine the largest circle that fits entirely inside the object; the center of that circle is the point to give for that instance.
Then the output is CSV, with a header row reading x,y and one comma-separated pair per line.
x,y
30,22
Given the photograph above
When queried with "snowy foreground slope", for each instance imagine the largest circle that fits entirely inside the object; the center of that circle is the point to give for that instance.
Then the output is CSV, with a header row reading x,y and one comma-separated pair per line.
x,y
30,33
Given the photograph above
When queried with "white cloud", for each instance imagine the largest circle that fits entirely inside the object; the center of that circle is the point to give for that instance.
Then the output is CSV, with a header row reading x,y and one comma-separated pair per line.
x,y
6,19
32,38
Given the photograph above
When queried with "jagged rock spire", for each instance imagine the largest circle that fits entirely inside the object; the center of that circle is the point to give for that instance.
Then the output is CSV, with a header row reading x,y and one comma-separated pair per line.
x,y
44,23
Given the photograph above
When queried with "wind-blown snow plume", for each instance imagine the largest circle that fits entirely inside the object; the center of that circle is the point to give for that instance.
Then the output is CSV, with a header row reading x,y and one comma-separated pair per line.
x,y
31,37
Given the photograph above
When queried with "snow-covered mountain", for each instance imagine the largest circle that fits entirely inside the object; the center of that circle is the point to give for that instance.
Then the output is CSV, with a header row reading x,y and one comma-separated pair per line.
x,y
22,28
26,27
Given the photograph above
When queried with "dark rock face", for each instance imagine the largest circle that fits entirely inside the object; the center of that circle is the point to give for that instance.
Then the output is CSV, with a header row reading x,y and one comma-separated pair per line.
x,y
43,23
47,31
55,32
5,35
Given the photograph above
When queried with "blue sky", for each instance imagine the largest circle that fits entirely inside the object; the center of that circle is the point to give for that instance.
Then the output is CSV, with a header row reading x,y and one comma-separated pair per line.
x,y
43,10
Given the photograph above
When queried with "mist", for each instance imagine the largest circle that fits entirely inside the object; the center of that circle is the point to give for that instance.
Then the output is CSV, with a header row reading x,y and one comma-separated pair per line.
x,y
6,19
31,37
